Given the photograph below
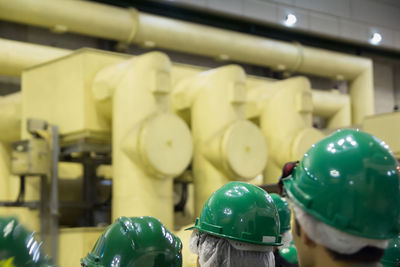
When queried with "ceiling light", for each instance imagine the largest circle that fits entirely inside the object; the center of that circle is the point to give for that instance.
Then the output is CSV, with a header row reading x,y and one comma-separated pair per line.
x,y
375,38
290,20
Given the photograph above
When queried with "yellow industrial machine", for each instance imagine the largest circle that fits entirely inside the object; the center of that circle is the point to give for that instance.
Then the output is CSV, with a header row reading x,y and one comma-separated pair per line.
x,y
125,129
147,110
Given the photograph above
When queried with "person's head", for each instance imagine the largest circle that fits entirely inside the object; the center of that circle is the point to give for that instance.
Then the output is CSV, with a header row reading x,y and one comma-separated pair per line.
x,y
136,242
345,194
238,226
391,258
284,218
19,246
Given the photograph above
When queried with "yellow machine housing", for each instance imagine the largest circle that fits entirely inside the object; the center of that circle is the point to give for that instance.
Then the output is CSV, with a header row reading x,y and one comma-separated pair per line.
x,y
75,243
387,128
59,92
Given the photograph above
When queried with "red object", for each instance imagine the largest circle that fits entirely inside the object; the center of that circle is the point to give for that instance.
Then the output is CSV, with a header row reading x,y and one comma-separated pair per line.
x,y
286,171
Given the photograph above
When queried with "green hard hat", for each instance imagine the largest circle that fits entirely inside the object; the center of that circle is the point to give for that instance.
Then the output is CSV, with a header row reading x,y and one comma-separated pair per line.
x,y
134,242
242,212
19,246
350,181
283,210
289,254
391,258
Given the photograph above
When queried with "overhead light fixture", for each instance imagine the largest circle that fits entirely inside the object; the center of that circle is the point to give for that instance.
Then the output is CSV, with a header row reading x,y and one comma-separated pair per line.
x,y
376,38
290,20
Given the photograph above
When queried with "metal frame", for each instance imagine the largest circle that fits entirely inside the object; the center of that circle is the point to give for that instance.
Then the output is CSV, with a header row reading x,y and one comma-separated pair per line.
x,y
54,199
48,205
90,156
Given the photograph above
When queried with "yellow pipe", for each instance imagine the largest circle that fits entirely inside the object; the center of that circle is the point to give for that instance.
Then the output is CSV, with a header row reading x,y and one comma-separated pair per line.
x,y
128,25
82,17
284,110
330,105
333,106
16,56
361,90
286,121
227,146
150,144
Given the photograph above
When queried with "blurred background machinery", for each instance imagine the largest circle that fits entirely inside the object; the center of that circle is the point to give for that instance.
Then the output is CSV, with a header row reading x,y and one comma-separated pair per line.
x,y
156,113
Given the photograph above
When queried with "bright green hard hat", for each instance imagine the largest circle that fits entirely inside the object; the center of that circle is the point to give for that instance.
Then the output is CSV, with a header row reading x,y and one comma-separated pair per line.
x,y
350,181
391,258
289,254
19,246
136,242
241,212
283,210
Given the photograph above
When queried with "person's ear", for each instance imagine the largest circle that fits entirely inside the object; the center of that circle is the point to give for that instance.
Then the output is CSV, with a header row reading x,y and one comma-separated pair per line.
x,y
307,240
300,232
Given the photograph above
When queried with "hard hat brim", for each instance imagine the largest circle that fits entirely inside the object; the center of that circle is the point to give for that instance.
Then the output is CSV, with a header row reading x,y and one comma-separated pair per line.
x,y
274,244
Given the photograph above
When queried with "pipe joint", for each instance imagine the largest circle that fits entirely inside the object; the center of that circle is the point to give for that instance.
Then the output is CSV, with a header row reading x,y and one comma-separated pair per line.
x,y
135,24
59,28
299,58
161,145
240,151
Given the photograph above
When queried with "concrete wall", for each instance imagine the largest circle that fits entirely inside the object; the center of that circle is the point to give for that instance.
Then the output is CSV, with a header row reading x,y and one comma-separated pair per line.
x,y
349,20
384,86
397,84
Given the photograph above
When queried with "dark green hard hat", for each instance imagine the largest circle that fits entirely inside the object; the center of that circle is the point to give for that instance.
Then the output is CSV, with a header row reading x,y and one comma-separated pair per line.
x,y
241,212
136,242
20,245
391,258
283,210
289,254
350,181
